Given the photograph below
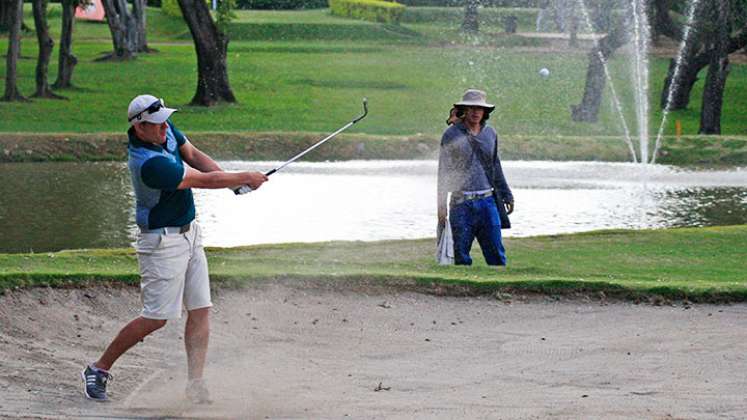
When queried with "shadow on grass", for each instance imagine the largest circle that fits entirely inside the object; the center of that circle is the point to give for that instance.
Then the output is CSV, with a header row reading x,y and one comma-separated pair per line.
x,y
356,31
351,84
295,49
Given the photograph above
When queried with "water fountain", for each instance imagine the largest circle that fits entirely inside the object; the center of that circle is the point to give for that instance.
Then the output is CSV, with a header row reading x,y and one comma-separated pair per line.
x,y
615,99
641,39
676,74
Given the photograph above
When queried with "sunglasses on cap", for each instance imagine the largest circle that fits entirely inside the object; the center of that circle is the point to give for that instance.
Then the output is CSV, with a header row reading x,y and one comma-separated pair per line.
x,y
151,109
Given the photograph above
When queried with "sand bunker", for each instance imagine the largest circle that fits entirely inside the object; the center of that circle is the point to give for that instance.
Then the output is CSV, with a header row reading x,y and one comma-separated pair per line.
x,y
303,351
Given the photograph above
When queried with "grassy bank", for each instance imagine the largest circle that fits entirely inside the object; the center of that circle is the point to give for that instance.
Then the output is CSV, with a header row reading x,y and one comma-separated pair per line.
x,y
289,73
706,150
699,264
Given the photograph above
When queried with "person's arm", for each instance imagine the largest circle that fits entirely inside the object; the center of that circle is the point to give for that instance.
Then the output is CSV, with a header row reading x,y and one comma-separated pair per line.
x,y
200,161
499,180
161,173
442,189
219,179
197,159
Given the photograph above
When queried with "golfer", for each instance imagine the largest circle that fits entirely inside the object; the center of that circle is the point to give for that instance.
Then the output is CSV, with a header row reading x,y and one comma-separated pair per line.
x,y
470,170
165,167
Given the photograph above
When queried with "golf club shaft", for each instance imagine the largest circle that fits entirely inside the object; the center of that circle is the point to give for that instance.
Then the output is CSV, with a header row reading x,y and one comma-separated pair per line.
x,y
314,146
245,188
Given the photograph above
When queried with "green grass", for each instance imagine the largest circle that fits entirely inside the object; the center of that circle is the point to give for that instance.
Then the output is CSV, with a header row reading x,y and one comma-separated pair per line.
x,y
314,79
700,264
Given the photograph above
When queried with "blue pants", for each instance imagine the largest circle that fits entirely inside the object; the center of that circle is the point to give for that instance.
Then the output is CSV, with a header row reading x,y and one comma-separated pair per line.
x,y
477,218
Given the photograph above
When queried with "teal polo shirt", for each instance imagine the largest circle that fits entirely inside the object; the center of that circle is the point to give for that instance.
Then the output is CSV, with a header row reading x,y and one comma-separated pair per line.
x,y
156,171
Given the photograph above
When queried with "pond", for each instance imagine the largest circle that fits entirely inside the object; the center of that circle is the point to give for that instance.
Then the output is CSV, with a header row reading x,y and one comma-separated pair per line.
x,y
54,206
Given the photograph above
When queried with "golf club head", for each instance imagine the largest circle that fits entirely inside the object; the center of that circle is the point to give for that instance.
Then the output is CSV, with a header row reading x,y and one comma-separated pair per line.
x,y
365,111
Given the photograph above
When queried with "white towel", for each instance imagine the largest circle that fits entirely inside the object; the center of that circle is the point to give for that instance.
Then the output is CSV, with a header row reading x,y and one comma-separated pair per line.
x,y
445,250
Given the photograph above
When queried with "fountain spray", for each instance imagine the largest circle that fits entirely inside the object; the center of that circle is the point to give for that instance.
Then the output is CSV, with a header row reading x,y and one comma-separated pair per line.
x,y
641,34
615,99
676,74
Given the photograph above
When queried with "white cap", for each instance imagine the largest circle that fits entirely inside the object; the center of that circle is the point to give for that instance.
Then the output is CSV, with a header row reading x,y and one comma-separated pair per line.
x,y
138,112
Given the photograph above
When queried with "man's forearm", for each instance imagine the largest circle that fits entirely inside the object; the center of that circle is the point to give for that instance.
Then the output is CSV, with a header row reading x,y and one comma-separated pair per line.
x,y
203,162
218,179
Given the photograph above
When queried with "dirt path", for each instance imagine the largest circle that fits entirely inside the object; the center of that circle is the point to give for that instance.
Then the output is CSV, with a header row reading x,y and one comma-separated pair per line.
x,y
281,351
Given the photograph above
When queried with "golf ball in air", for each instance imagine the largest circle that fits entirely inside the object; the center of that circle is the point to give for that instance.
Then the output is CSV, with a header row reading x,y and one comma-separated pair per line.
x,y
544,72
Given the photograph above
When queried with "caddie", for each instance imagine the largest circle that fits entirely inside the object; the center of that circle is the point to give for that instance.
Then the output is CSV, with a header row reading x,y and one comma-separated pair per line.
x,y
469,168
164,167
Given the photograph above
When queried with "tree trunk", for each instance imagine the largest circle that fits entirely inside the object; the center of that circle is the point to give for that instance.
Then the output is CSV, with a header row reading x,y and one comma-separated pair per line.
x,y
45,50
6,15
602,16
588,109
14,49
138,15
691,67
67,60
573,26
211,46
713,96
688,75
697,54
718,71
560,13
122,27
471,23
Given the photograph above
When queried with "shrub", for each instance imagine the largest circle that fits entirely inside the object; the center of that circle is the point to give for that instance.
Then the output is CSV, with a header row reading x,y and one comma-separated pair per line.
x,y
171,8
225,14
281,4
492,15
371,10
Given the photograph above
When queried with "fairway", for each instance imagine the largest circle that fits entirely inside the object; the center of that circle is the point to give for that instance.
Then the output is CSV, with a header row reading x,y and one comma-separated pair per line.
x,y
310,83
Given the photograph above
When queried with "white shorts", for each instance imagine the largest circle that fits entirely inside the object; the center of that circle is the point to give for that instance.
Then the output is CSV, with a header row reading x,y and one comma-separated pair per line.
x,y
173,272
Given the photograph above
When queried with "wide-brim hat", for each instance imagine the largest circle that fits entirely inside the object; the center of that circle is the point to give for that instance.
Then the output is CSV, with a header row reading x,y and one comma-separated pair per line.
x,y
475,97
148,108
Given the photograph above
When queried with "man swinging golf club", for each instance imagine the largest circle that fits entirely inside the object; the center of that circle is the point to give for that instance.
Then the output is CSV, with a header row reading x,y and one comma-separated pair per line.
x,y
164,167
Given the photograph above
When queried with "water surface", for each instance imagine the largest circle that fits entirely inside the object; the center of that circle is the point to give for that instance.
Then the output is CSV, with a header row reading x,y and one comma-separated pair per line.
x,y
52,206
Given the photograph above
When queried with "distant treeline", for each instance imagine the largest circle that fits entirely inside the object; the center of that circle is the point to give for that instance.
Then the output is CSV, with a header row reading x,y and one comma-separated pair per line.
x,y
316,4
319,4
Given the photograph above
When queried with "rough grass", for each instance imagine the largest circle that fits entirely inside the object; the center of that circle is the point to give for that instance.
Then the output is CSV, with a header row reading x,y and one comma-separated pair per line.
x,y
698,264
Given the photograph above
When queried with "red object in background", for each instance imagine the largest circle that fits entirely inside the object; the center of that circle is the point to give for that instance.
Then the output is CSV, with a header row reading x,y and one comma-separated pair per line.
x,y
94,11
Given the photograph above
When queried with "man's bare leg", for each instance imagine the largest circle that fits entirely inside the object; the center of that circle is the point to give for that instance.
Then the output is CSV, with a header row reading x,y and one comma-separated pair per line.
x,y
196,337
131,334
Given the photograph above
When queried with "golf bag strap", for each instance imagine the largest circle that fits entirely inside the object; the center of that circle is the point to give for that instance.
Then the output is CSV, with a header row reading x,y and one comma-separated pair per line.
x,y
500,205
476,151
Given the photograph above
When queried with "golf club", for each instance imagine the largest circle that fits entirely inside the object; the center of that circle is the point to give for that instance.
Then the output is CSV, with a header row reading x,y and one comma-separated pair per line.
x,y
245,188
